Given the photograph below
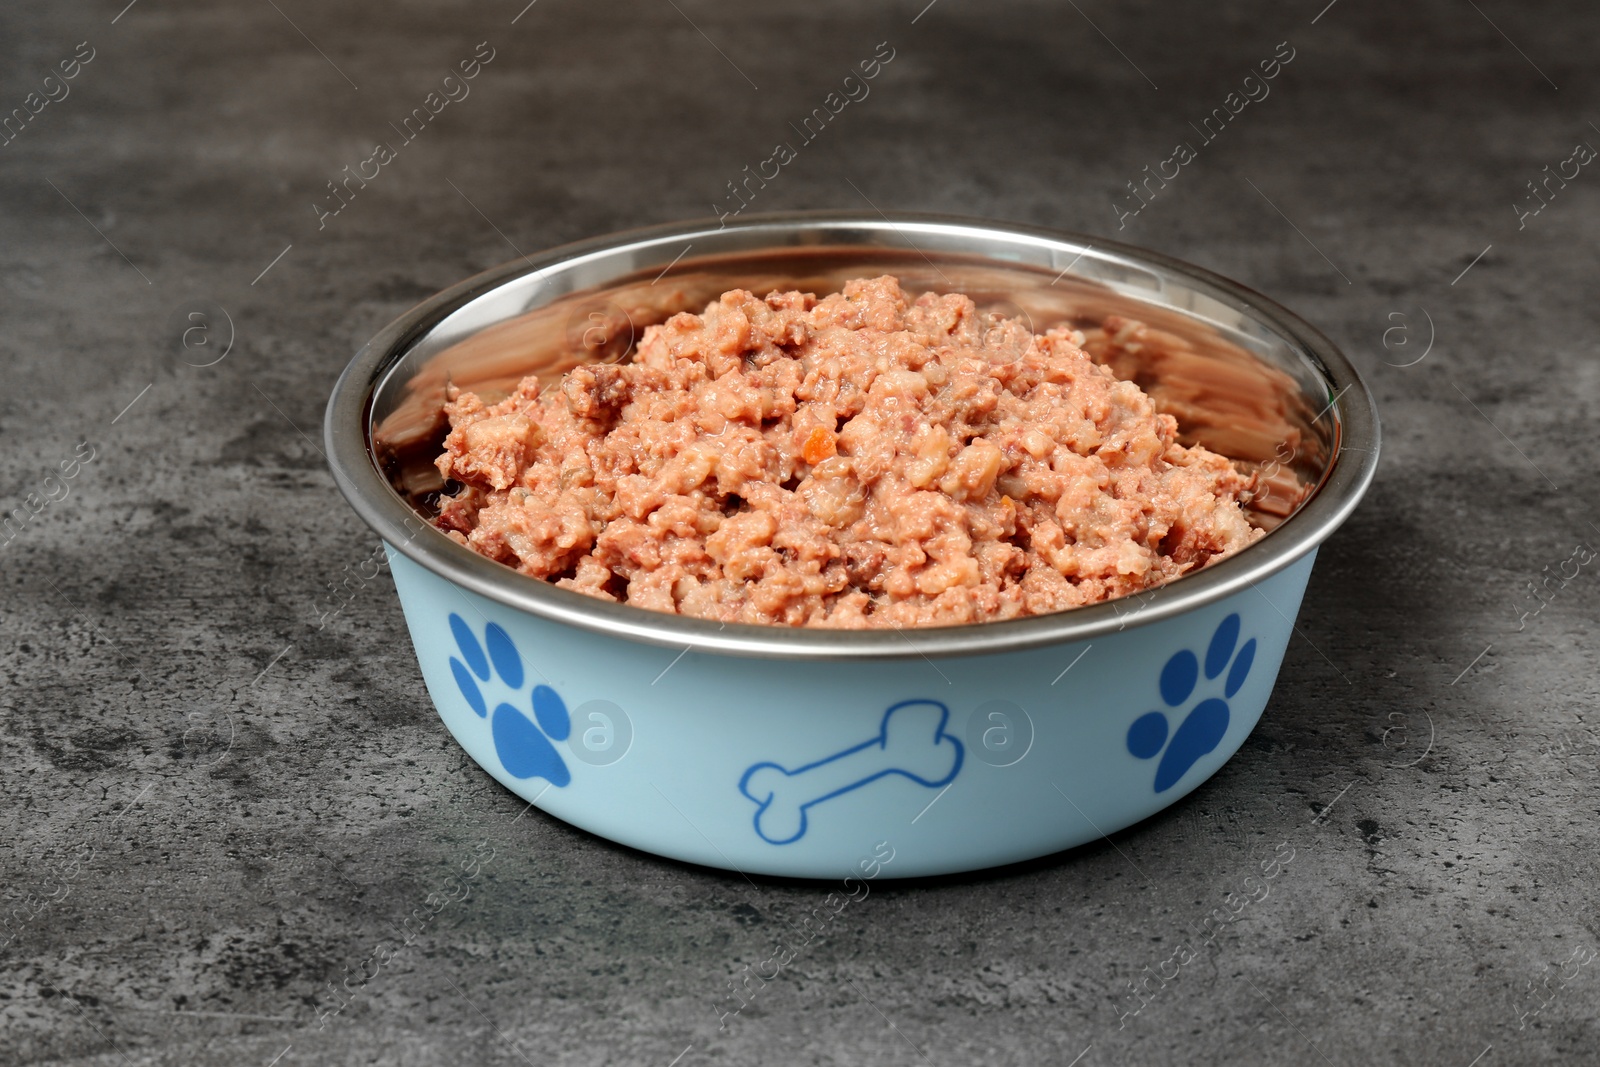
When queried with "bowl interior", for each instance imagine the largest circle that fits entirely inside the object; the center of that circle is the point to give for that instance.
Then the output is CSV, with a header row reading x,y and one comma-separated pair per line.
x,y
1235,383
1240,374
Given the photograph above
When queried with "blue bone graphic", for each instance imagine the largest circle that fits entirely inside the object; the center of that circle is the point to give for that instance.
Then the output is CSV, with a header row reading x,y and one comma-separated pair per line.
x,y
911,742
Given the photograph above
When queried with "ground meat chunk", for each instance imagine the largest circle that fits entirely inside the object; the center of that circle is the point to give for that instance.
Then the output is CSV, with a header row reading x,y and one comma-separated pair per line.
x,y
863,460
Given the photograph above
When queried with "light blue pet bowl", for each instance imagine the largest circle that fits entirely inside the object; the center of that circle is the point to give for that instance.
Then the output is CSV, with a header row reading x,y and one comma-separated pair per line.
x,y
827,754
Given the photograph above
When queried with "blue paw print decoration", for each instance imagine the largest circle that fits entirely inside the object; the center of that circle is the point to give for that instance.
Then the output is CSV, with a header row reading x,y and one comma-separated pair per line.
x,y
1207,721
524,749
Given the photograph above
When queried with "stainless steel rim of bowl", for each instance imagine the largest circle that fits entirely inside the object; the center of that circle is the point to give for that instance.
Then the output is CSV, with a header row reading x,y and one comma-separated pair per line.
x,y
348,437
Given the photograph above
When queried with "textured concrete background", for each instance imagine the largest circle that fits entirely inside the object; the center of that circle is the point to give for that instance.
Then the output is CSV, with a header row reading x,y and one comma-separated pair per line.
x,y
213,808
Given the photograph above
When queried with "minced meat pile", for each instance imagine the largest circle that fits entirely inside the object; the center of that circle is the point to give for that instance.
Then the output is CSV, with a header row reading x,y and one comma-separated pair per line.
x,y
861,460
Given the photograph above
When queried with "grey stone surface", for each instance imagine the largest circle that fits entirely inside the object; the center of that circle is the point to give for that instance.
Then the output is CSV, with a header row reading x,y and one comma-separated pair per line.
x,y
214,806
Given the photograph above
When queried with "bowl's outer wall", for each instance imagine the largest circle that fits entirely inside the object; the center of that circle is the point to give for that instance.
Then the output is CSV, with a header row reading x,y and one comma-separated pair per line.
x,y
939,796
